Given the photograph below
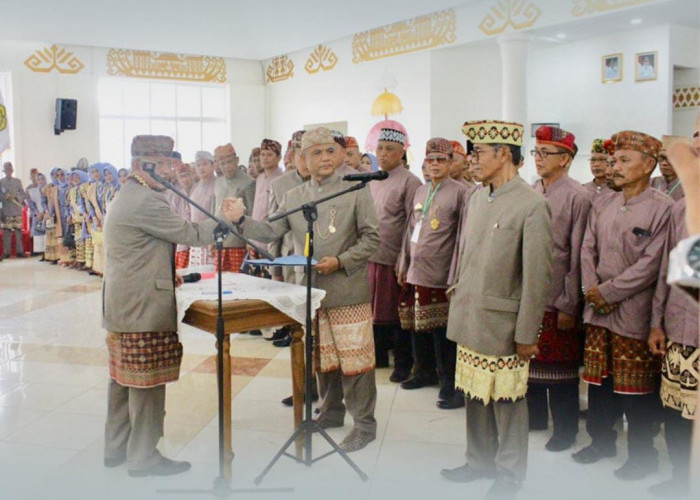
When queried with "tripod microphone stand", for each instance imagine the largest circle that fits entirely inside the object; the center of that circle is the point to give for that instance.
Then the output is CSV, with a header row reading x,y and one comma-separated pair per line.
x,y
221,488
309,425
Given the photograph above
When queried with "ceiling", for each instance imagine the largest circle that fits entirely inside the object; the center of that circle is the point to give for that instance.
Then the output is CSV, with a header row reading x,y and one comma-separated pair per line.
x,y
246,29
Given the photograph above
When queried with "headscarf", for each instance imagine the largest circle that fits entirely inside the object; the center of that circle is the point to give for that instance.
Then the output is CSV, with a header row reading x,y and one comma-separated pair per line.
x,y
56,182
83,175
373,159
99,167
108,167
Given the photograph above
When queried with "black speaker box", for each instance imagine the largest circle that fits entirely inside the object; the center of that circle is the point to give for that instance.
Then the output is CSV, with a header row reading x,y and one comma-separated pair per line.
x,y
66,115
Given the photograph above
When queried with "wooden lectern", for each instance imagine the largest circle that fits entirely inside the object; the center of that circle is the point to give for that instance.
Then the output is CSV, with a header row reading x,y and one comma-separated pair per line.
x,y
242,316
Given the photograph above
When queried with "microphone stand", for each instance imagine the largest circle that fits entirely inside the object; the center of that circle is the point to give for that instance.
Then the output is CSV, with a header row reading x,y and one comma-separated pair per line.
x,y
309,425
221,488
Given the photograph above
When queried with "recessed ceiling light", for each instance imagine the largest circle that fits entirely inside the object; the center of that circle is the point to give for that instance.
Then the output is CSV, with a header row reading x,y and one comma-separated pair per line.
x,y
636,20
561,35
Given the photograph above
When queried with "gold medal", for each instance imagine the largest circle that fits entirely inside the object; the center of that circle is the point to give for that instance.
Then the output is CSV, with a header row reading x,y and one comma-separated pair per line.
x,y
434,224
331,229
419,206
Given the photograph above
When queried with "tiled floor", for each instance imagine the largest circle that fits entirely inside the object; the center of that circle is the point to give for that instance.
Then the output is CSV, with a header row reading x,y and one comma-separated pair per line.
x,y
53,380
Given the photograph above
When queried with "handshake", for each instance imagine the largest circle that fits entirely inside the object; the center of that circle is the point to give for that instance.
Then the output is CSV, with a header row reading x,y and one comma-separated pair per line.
x,y
233,209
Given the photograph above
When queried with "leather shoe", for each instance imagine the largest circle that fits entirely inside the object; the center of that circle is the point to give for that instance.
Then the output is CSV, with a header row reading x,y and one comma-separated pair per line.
x,y
356,440
673,488
289,401
279,334
327,423
591,454
418,382
456,401
558,444
285,342
255,333
398,376
114,462
165,467
633,470
504,488
466,474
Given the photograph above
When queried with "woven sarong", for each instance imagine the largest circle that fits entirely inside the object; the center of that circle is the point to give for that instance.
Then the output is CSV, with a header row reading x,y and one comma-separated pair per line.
x,y
12,223
423,309
182,259
98,249
345,339
630,362
385,294
482,377
51,252
89,252
144,359
680,372
232,259
559,355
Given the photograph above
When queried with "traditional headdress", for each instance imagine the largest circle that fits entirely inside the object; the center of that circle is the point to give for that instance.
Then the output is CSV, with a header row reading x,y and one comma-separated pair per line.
x,y
271,145
152,145
556,136
494,132
637,141
438,145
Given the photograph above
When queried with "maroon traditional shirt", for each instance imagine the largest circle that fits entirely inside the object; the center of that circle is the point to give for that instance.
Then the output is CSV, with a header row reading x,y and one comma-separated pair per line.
x,y
674,189
393,201
674,311
570,204
263,183
593,188
622,252
203,194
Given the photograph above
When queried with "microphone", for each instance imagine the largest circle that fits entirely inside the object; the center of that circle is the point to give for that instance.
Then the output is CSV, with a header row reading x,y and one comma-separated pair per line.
x,y
379,175
191,278
148,166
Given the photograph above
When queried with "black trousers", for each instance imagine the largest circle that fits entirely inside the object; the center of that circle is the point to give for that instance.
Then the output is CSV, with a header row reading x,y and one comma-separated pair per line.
x,y
605,407
434,353
678,434
388,337
563,402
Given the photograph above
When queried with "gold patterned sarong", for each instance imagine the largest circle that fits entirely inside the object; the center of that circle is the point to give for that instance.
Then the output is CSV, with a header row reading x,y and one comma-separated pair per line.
x,y
345,339
680,373
144,359
483,377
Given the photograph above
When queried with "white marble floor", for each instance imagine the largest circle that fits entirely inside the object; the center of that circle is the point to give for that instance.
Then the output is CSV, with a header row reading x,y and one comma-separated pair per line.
x,y
53,379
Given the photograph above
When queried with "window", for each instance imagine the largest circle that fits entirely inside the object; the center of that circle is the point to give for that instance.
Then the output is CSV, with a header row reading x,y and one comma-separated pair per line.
x,y
195,115
8,119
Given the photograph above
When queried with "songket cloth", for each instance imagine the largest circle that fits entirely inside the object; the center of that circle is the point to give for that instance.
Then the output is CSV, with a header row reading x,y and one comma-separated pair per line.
x,y
89,251
79,242
200,256
680,372
51,252
98,259
559,356
423,309
232,259
11,223
629,361
345,339
385,294
144,359
182,259
483,377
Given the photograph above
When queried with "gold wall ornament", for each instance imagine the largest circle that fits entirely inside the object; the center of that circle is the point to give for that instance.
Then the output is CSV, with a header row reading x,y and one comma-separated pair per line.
x,y
54,57
165,65
281,68
321,58
420,33
586,7
518,14
686,97
3,118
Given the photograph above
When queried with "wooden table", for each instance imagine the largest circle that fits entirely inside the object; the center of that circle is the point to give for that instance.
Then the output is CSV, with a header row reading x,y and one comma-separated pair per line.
x,y
242,316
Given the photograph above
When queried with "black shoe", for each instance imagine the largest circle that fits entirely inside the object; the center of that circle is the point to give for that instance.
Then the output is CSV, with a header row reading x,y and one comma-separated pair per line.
x,y
456,401
466,474
326,423
673,488
591,454
417,382
255,333
504,488
165,467
279,334
558,444
285,342
634,470
289,401
399,376
114,462
536,426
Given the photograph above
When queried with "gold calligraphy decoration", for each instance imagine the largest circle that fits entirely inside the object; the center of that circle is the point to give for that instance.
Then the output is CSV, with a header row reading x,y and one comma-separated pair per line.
x,y
586,7
165,65
50,58
518,14
419,33
281,68
686,97
321,58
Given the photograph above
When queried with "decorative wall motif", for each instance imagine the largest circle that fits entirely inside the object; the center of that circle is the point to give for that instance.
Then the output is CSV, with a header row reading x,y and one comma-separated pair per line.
x,y
165,65
321,58
686,97
518,14
281,68
419,33
54,57
586,7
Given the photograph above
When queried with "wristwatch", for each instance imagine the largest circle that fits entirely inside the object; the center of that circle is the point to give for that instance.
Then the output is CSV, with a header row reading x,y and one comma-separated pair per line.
x,y
684,263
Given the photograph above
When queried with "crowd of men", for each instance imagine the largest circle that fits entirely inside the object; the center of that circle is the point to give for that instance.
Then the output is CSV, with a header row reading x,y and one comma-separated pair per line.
x,y
503,294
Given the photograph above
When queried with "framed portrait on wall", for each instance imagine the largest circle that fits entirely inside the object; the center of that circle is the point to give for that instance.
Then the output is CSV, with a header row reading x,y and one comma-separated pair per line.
x,y
612,68
645,66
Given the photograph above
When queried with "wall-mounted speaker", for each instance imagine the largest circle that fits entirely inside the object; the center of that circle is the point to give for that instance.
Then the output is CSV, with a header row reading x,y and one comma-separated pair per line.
x,y
66,115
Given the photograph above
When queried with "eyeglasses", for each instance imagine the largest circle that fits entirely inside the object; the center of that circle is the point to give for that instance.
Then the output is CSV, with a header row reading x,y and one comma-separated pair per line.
x,y
440,160
544,154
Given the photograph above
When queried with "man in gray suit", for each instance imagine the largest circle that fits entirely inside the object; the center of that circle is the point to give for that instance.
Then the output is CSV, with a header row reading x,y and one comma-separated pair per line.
x,y
139,310
346,235
496,306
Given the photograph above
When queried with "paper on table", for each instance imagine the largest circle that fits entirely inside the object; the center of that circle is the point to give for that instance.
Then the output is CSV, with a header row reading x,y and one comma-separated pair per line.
x,y
289,260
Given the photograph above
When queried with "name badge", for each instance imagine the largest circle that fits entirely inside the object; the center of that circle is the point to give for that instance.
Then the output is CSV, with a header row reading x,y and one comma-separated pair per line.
x,y
416,232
